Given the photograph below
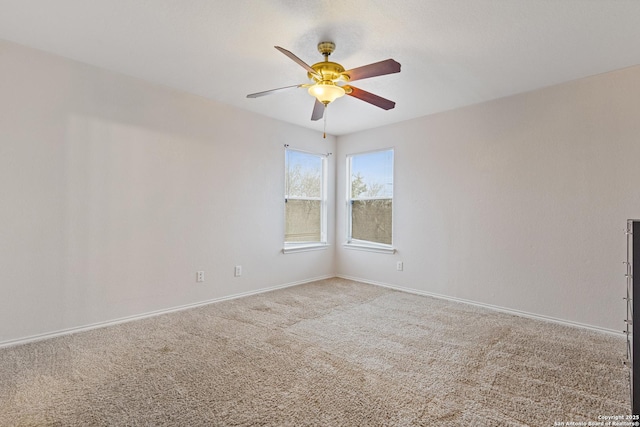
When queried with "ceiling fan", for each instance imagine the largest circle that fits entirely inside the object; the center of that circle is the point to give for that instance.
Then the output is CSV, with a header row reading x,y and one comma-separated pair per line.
x,y
330,80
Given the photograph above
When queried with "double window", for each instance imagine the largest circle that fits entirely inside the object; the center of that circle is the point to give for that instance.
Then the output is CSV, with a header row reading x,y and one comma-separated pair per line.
x,y
305,200
370,200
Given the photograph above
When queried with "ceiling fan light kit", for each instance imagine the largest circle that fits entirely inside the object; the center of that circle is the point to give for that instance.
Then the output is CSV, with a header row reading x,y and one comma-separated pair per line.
x,y
326,91
329,78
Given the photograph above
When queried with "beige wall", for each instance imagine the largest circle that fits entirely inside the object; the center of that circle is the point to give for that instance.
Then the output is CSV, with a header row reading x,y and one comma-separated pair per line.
x,y
518,203
114,192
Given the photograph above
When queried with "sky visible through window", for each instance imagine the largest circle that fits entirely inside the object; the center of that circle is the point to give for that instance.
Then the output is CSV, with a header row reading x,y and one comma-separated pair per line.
x,y
303,174
308,163
376,169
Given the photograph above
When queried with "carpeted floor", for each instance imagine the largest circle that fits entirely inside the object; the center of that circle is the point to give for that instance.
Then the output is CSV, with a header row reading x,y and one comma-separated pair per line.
x,y
329,353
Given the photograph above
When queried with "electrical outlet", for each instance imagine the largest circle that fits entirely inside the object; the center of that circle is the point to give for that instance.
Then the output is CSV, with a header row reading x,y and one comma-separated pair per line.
x,y
399,266
200,276
238,271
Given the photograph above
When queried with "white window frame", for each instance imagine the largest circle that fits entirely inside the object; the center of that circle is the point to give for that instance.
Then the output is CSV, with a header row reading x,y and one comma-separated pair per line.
x,y
365,245
290,247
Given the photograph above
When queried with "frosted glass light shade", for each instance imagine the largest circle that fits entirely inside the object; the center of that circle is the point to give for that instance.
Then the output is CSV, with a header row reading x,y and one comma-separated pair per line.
x,y
326,92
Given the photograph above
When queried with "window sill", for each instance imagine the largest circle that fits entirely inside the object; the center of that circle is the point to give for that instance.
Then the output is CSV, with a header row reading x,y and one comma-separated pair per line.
x,y
305,248
370,248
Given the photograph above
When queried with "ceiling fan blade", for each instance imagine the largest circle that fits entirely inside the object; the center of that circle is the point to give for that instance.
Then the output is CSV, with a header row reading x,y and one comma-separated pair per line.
x,y
318,111
269,92
381,68
299,62
365,96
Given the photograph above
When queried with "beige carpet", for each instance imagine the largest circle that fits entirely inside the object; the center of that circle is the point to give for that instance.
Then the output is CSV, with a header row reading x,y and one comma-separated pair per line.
x,y
329,353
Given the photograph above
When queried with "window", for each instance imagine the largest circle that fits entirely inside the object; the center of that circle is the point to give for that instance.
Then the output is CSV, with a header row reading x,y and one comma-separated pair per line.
x,y
305,200
370,200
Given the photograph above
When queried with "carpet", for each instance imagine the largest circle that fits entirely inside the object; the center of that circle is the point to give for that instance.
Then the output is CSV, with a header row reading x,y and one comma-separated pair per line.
x,y
328,353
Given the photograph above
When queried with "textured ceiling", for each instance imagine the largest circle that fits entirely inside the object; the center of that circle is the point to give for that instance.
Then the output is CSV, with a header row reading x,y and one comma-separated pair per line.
x,y
453,52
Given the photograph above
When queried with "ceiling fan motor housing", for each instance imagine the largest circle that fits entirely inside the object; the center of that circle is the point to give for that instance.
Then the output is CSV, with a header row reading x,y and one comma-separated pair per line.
x,y
330,71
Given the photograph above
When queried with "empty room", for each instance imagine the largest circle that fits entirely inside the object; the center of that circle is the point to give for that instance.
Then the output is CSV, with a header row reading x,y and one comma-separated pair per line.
x,y
319,213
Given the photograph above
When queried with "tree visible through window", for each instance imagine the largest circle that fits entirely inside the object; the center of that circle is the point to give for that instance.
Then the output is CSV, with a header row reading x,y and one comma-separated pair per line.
x,y
370,198
305,207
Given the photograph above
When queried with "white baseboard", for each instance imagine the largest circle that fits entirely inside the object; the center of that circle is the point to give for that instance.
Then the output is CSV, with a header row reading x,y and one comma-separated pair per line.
x,y
89,327
489,306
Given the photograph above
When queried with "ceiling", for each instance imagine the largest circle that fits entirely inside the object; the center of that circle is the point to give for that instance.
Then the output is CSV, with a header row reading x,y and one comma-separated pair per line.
x,y
453,52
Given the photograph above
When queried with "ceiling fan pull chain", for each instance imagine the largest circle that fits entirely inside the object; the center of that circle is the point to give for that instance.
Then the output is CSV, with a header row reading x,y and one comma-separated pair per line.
x,y
324,131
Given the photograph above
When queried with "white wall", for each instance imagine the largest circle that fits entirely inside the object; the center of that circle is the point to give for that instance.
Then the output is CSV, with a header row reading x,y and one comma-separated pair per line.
x,y
114,192
518,203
